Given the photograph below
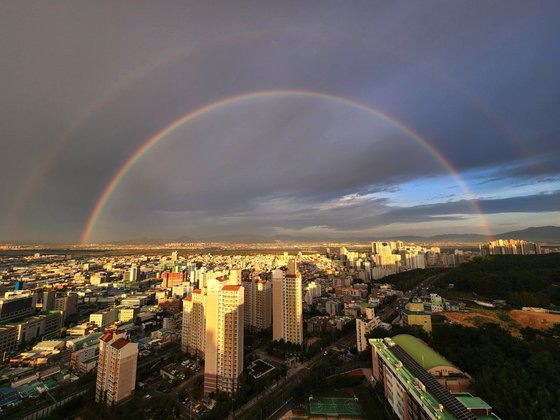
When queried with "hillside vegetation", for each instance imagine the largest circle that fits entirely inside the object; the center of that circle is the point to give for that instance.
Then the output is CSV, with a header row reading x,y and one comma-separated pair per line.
x,y
522,280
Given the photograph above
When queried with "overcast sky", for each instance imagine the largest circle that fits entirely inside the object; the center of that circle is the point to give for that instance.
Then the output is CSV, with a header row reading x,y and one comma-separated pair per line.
x,y
85,84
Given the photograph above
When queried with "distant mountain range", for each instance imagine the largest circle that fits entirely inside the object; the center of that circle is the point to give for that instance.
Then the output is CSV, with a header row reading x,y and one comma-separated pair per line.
x,y
543,234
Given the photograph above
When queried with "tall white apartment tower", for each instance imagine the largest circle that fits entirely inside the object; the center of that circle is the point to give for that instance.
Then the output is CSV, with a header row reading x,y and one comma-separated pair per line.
x,y
223,355
193,334
133,272
287,305
116,369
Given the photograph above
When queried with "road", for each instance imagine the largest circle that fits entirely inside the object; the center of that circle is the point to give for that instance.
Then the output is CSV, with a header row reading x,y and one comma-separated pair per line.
x,y
388,311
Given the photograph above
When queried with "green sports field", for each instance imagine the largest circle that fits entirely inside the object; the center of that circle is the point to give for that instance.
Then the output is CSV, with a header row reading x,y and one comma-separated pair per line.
x,y
341,407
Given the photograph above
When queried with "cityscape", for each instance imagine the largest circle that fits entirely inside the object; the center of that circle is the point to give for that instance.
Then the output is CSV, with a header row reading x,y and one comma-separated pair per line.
x,y
279,210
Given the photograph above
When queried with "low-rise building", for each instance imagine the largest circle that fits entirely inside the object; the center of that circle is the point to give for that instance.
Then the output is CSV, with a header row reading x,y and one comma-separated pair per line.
x,y
363,328
104,318
38,326
8,339
414,314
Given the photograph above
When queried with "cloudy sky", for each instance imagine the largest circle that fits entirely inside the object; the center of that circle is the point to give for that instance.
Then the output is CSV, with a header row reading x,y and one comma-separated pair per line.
x,y
351,118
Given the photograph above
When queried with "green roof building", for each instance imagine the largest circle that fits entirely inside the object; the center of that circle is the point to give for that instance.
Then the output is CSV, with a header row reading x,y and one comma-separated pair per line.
x,y
404,366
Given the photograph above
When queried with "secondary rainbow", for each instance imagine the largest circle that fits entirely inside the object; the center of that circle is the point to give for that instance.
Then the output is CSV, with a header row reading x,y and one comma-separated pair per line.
x,y
151,142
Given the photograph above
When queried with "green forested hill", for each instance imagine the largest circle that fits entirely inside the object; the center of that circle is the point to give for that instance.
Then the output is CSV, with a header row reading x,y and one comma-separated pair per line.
x,y
523,280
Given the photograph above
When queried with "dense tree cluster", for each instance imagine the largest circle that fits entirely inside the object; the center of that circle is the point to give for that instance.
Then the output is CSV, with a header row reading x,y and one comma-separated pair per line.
x,y
519,378
408,280
523,280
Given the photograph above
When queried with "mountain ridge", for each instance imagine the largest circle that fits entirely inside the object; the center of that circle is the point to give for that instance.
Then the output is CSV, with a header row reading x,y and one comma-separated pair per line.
x,y
545,234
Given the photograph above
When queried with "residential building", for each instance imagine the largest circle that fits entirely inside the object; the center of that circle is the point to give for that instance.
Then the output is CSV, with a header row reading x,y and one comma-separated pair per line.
x,y
363,328
133,273
331,307
116,371
510,247
437,302
67,304
287,306
223,355
258,304
193,334
48,298
127,314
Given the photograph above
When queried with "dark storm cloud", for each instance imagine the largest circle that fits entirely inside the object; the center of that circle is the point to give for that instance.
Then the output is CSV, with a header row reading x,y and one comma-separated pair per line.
x,y
478,80
374,213
353,214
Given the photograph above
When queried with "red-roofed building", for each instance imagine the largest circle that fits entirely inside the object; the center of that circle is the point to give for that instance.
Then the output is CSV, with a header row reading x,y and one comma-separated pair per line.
x,y
231,288
194,324
223,353
168,280
116,371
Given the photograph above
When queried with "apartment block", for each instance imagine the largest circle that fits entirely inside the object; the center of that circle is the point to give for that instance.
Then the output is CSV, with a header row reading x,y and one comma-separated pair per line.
x,y
116,371
193,335
258,304
287,306
223,356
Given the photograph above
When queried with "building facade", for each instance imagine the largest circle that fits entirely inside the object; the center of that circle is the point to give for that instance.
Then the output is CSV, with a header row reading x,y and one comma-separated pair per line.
x,y
223,356
412,391
258,304
116,371
414,314
193,333
287,307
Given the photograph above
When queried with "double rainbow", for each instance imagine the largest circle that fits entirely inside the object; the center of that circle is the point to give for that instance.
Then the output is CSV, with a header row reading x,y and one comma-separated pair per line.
x,y
162,134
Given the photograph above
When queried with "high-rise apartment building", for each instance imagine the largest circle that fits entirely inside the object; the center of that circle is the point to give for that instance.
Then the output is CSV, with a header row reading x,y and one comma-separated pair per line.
x,y
193,335
287,318
48,298
67,304
116,370
133,273
510,247
258,304
223,354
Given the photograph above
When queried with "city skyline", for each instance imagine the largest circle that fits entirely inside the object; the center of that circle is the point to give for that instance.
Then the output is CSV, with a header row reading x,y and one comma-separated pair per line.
x,y
314,120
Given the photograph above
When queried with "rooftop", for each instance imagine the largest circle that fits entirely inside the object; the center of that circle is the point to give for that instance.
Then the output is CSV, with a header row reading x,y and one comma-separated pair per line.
x,y
120,343
473,403
420,352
